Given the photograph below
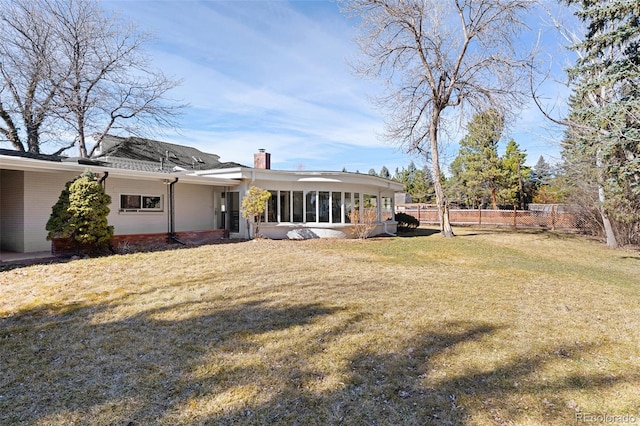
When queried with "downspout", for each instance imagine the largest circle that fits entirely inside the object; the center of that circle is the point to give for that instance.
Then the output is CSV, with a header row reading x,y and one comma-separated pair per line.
x,y
171,236
393,214
103,179
102,182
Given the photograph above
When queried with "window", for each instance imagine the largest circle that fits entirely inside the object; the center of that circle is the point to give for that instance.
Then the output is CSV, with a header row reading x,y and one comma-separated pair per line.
x,y
140,203
311,202
323,203
285,206
336,207
387,208
370,204
298,206
347,207
272,207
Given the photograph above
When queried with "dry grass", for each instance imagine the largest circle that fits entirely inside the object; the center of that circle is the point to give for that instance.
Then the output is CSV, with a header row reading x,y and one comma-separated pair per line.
x,y
491,327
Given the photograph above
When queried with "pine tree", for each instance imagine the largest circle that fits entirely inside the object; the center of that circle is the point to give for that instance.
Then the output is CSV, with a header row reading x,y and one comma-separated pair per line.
x,y
515,176
417,183
478,165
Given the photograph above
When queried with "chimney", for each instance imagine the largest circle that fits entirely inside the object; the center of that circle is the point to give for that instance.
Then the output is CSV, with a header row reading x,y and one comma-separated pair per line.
x,y
262,160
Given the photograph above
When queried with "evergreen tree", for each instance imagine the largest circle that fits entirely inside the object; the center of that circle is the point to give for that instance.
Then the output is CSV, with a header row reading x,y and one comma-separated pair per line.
x,y
541,172
372,172
478,167
603,140
417,183
81,214
515,185
384,173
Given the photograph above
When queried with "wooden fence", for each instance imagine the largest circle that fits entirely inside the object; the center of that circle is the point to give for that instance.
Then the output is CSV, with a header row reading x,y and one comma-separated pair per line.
x,y
550,216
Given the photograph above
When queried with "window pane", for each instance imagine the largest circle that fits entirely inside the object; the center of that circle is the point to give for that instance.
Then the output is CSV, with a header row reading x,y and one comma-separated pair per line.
x,y
311,206
387,210
272,207
323,199
370,201
370,204
336,208
234,209
285,206
154,203
347,207
130,202
298,200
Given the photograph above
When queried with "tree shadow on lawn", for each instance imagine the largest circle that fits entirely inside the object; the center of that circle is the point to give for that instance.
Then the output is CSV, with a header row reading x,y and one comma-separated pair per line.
x,y
60,365
418,232
404,387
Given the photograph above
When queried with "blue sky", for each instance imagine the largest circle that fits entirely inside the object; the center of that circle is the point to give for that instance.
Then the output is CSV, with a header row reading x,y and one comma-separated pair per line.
x,y
275,75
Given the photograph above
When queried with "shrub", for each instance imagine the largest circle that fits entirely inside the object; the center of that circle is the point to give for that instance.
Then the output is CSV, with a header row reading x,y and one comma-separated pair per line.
x,y
406,222
254,204
80,214
363,226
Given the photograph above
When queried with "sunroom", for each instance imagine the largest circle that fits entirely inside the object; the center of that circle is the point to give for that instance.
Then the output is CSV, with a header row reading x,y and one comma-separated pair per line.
x,y
312,204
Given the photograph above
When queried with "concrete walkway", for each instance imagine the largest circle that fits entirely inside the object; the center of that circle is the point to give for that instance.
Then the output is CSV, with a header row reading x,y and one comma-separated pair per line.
x,y
13,257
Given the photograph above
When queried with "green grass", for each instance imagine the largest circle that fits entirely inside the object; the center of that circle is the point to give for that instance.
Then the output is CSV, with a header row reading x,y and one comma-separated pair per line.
x,y
491,327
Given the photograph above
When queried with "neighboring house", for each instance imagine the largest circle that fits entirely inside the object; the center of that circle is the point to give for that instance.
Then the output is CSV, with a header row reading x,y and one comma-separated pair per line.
x,y
160,189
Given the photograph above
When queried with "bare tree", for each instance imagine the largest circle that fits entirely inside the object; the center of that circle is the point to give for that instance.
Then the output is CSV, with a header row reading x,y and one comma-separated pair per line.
x,y
437,55
28,78
110,83
86,70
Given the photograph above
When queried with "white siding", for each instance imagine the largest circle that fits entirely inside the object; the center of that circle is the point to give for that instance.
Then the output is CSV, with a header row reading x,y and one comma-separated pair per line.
x,y
195,210
42,190
12,210
194,207
140,222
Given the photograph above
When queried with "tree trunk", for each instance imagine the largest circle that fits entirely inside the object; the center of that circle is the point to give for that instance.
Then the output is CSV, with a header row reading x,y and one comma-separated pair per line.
x,y
443,209
33,141
494,198
82,147
609,234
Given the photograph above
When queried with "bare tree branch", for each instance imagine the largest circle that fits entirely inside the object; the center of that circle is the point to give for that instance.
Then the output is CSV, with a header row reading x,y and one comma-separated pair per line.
x,y
436,55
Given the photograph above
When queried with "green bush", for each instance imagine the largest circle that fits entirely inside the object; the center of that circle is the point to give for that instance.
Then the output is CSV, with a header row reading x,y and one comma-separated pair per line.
x,y
80,214
406,222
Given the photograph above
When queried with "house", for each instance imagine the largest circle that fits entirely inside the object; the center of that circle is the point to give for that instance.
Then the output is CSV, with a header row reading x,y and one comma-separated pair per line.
x,y
160,189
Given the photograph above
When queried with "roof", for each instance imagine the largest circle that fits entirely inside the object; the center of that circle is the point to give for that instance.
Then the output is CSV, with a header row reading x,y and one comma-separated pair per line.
x,y
32,155
136,153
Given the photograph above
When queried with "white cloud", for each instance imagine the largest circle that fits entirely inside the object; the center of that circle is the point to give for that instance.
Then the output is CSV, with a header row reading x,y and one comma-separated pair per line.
x,y
264,75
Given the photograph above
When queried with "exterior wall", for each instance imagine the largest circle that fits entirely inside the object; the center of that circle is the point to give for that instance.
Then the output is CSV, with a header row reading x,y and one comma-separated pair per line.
x,y
12,210
42,190
125,223
194,207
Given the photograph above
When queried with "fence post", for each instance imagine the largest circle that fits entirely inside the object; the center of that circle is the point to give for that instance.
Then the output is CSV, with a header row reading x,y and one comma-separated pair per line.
x,y
515,215
480,215
553,217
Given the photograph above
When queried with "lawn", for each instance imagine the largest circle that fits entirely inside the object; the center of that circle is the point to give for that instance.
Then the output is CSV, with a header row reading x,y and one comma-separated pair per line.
x,y
491,327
